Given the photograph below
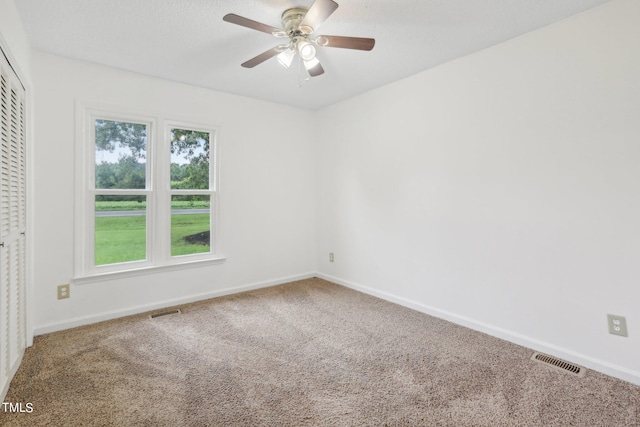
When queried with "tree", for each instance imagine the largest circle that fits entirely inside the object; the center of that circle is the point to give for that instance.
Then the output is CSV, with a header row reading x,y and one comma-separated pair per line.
x,y
188,141
194,147
131,135
130,141
178,173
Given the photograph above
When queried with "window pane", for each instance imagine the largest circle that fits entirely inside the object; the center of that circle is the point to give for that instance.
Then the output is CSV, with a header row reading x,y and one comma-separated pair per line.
x,y
189,159
121,229
121,151
190,225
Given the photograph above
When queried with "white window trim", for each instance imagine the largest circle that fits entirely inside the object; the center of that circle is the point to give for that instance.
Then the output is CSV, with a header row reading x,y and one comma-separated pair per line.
x,y
212,192
159,257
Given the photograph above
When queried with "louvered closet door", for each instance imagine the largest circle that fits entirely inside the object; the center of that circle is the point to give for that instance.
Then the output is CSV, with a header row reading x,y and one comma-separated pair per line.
x,y
12,223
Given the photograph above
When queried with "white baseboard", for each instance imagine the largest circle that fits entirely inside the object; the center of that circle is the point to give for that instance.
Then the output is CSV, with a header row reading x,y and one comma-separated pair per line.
x,y
87,320
534,344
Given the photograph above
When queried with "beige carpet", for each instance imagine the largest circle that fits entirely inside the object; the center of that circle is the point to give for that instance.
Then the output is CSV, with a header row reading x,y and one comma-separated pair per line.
x,y
305,353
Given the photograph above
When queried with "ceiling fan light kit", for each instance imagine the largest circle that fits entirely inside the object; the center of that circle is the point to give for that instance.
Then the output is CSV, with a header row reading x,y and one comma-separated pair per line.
x,y
285,58
306,49
299,24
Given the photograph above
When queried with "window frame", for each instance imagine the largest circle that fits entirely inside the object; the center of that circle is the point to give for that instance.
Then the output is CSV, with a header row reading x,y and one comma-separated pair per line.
x,y
211,191
158,194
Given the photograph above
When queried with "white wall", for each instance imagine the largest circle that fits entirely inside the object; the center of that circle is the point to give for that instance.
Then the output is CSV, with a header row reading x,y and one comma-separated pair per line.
x,y
14,40
501,190
267,204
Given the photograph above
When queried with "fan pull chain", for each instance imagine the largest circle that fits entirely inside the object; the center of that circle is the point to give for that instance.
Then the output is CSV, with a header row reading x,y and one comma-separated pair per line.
x,y
300,67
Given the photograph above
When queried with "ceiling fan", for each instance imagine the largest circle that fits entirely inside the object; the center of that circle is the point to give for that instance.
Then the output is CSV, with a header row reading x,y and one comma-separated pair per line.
x,y
299,25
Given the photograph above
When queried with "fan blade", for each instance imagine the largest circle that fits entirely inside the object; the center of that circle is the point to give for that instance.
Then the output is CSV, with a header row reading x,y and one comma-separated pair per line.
x,y
343,42
254,25
313,67
319,11
262,57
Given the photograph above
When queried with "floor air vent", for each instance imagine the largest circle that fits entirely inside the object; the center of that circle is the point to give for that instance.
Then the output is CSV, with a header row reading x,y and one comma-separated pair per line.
x,y
165,313
559,364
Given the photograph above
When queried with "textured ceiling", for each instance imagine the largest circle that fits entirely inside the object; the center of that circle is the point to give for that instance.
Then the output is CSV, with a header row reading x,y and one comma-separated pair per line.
x,y
187,40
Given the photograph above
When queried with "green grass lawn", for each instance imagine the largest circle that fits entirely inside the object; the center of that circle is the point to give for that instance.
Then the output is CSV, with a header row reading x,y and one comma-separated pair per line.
x,y
123,238
120,239
187,225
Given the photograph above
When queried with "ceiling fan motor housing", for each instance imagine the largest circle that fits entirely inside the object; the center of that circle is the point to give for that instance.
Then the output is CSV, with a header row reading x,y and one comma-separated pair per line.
x,y
299,36
291,19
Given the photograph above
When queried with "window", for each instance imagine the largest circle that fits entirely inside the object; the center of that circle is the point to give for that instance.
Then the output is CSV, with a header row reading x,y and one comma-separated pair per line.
x,y
121,187
190,191
148,198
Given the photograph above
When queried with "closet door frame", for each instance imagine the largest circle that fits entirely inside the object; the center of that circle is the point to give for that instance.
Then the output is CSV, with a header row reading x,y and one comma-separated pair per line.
x,y
16,332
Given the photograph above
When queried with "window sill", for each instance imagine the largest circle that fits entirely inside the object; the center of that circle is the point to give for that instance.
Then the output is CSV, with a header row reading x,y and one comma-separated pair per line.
x,y
140,271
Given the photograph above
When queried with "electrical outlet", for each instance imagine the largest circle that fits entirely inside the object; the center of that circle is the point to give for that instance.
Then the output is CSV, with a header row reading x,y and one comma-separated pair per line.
x,y
617,325
330,256
63,291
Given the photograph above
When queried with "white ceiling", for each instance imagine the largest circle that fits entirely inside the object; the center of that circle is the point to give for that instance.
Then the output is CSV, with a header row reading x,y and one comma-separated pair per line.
x,y
187,40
